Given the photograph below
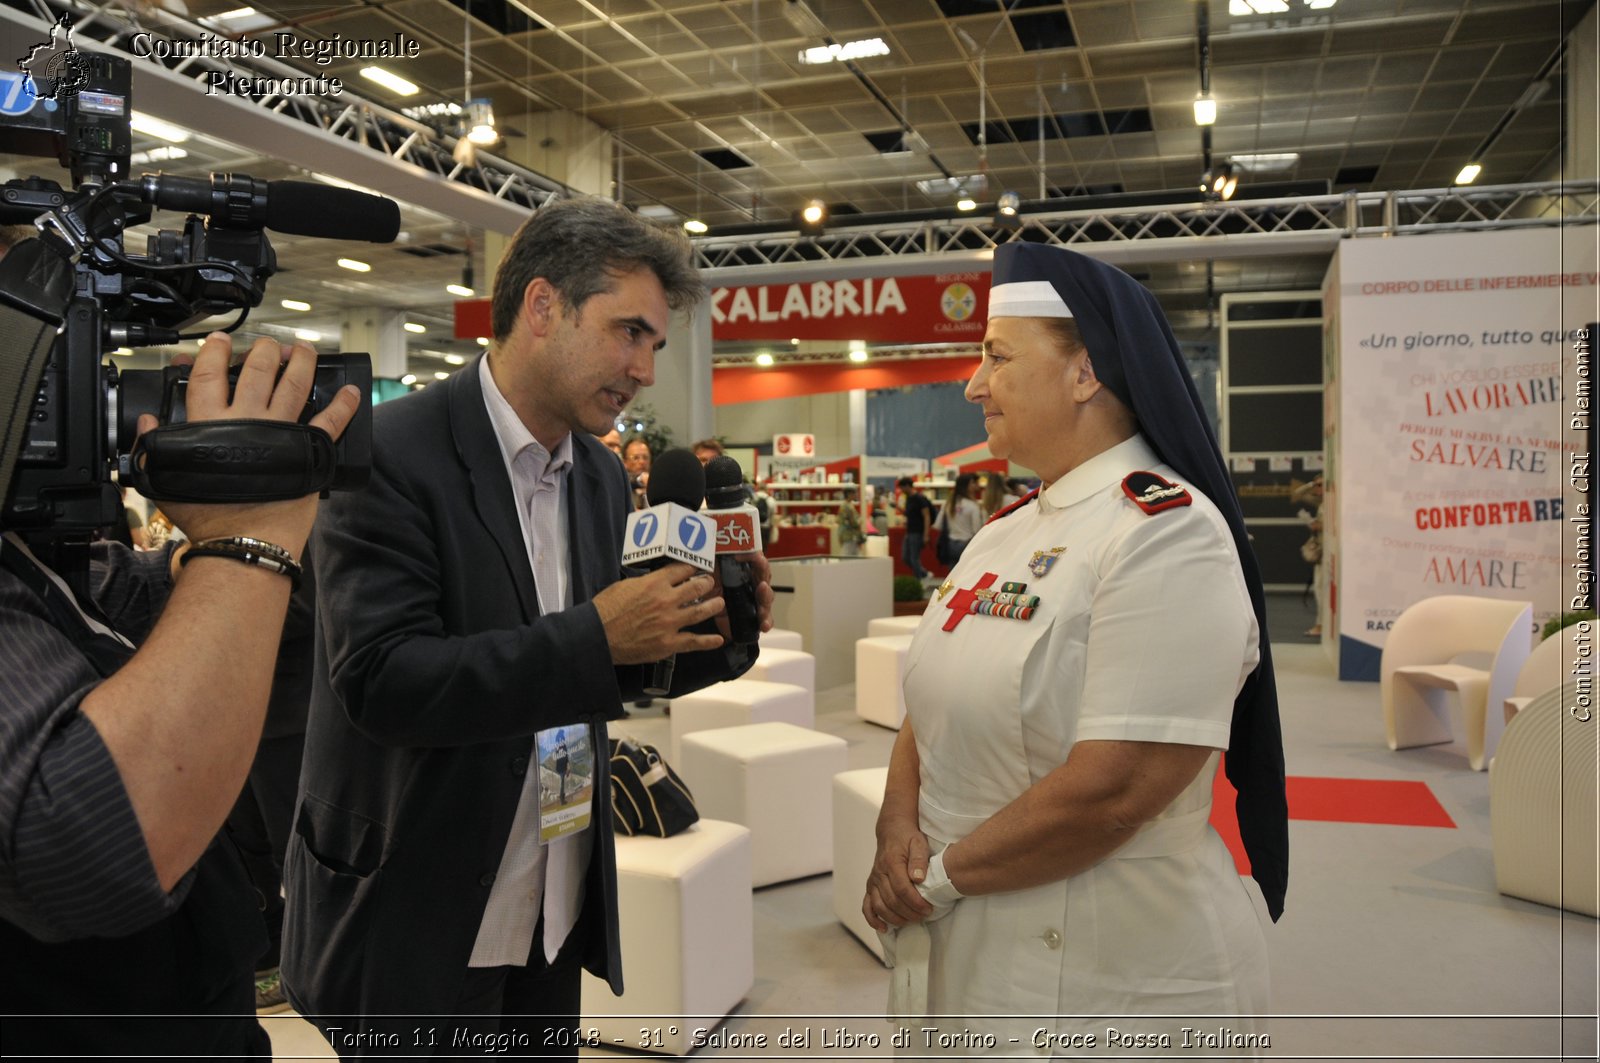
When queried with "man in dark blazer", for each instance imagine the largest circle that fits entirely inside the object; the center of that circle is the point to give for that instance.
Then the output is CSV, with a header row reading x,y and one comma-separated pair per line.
x,y
471,597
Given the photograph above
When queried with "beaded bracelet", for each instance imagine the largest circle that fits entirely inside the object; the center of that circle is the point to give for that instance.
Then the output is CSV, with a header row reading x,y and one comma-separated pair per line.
x,y
250,552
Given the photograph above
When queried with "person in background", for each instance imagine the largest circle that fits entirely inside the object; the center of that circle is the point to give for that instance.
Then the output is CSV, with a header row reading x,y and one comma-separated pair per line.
x,y
962,514
996,495
762,500
919,519
1043,844
470,600
706,449
636,459
613,441
1308,496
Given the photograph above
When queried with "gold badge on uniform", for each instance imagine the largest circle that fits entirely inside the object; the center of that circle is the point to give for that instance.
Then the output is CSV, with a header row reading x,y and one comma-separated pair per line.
x,y
1041,561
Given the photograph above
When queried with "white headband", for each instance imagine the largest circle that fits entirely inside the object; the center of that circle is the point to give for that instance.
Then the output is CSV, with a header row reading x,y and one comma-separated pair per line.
x,y
1027,299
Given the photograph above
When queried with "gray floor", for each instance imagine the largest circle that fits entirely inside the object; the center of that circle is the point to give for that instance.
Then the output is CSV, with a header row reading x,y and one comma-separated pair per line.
x,y
1394,943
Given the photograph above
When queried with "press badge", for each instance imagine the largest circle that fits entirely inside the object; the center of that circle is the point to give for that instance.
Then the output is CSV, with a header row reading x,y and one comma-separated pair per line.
x,y
566,780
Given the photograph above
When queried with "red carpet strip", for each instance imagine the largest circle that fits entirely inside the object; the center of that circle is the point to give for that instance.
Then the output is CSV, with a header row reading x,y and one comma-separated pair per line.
x,y
1385,801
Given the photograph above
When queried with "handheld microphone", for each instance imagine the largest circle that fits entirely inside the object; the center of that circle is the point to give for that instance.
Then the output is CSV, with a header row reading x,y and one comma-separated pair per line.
x,y
671,529
738,533
300,208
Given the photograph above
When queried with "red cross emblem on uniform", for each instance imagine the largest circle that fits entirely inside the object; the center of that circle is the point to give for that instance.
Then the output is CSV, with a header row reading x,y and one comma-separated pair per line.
x,y
961,605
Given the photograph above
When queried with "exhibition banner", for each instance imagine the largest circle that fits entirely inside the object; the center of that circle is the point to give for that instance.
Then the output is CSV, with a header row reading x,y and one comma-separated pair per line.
x,y
1461,374
938,308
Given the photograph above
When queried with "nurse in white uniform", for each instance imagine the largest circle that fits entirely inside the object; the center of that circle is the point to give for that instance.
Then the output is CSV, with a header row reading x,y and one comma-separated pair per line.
x,y
1046,878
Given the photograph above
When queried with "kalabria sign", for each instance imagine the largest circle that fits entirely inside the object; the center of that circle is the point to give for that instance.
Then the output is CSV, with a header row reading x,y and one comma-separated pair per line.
x,y
941,308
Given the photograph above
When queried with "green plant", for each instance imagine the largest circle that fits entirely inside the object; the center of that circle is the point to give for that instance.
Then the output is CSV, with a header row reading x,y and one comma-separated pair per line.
x,y
907,589
1552,626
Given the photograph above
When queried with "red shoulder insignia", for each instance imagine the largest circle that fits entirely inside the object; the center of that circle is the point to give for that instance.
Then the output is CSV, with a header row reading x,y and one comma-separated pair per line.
x,y
1013,507
1153,494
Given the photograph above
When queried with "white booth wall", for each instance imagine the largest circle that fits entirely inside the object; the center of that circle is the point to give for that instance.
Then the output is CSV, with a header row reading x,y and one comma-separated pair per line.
x,y
1453,462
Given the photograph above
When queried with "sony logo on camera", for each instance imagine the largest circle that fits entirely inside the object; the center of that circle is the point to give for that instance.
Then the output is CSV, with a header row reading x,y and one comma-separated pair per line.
x,y
235,455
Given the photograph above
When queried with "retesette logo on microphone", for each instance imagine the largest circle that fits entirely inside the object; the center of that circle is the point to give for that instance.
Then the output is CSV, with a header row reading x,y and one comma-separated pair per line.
x,y
644,530
692,533
670,532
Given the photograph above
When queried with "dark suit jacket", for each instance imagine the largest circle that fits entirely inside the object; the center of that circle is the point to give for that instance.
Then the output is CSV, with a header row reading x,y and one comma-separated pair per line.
x,y
434,670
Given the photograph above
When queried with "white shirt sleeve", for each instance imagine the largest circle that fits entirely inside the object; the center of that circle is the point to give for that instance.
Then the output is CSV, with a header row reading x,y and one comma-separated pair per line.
x,y
1172,634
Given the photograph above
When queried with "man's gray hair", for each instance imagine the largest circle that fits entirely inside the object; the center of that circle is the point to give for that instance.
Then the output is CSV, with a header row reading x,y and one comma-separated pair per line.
x,y
581,245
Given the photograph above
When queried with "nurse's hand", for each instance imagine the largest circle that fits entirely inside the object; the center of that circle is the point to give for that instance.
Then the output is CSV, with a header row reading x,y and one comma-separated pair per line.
x,y
892,897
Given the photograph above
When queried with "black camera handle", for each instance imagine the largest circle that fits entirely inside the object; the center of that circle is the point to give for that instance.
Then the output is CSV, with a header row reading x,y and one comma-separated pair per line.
x,y
232,461
35,288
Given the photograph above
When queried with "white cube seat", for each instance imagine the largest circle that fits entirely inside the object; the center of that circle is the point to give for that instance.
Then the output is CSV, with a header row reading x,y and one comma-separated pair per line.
x,y
736,703
785,666
781,638
687,925
893,625
880,667
857,797
774,778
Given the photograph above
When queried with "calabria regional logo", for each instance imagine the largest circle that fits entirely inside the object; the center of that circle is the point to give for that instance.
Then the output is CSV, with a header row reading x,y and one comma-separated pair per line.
x,y
644,529
958,302
55,70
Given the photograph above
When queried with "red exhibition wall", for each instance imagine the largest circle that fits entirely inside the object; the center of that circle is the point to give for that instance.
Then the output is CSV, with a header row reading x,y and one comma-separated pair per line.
x,y
936,308
749,384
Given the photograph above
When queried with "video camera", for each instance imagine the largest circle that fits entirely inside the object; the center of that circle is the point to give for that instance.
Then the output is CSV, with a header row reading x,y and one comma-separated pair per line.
x,y
77,279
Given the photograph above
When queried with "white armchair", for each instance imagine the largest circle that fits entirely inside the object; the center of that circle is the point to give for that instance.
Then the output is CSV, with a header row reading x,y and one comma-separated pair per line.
x,y
1420,670
1542,820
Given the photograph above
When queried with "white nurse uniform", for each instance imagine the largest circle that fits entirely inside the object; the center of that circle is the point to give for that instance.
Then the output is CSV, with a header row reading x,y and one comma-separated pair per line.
x,y
1143,631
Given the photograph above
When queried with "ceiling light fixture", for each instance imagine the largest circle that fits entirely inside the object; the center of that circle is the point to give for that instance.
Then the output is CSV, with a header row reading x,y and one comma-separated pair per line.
x,y
1267,162
1005,211
393,82
480,122
1220,182
155,127
695,226
356,265
440,374
764,360
844,53
482,341
307,334
1469,173
409,379
295,304
455,359
412,326
1205,109
460,289
813,218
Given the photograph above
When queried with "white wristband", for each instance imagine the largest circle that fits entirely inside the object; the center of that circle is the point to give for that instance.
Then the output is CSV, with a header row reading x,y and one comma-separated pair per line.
x,y
936,886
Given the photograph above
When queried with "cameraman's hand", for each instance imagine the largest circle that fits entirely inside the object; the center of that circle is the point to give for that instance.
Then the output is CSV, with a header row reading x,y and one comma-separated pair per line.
x,y
645,616
263,395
